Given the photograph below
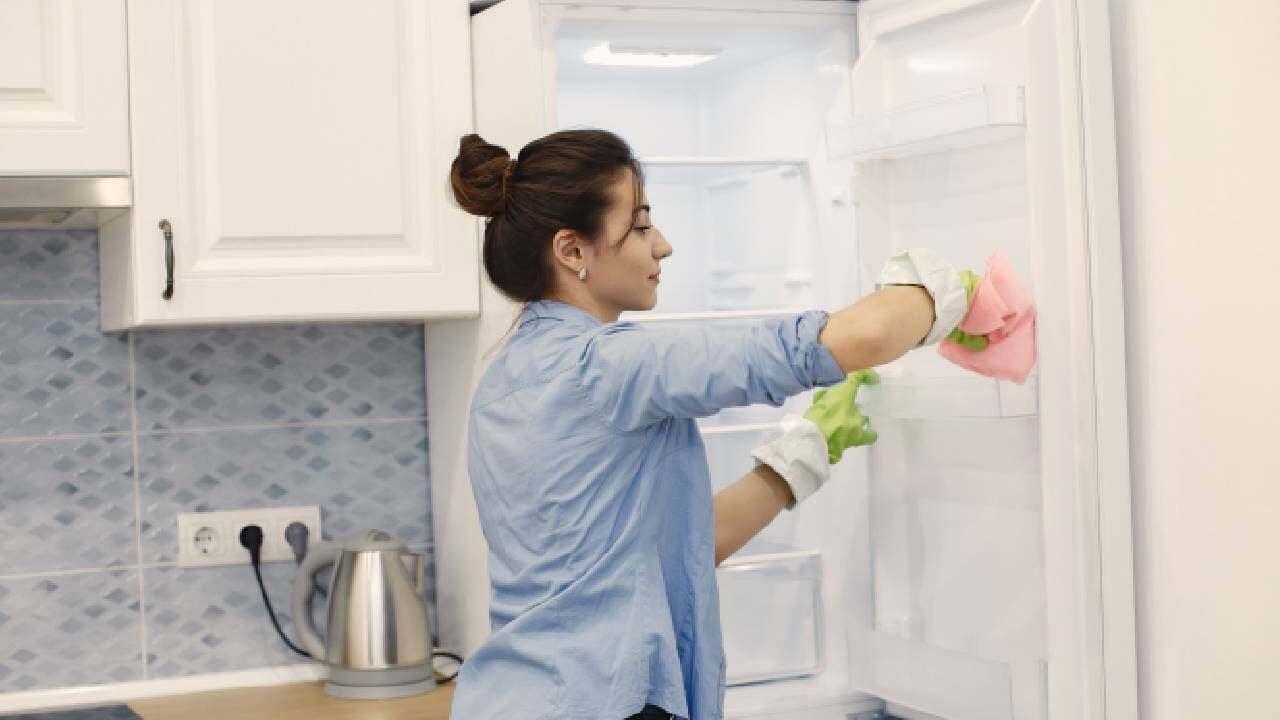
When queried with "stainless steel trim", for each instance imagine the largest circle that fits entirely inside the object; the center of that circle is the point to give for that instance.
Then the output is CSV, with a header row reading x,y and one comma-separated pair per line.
x,y
65,192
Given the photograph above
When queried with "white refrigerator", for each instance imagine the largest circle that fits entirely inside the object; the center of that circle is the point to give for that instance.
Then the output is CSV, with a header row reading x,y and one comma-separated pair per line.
x,y
975,563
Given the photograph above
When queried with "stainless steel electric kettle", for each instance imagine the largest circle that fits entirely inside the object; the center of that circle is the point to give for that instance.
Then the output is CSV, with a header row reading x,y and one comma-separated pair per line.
x,y
377,643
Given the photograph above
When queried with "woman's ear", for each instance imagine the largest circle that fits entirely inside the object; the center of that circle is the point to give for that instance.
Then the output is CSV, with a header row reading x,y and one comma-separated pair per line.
x,y
567,248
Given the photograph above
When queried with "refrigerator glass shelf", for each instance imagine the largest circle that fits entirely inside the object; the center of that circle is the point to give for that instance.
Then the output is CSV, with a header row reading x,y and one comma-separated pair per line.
x,y
713,172
714,429
978,116
721,160
956,397
652,317
758,418
759,552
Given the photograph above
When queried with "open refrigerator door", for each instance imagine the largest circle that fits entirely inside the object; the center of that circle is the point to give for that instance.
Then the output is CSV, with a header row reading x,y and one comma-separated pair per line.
x,y
956,620
955,568
1000,557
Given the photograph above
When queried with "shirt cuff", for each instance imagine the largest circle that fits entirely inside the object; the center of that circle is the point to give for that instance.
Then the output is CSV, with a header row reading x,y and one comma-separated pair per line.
x,y
819,365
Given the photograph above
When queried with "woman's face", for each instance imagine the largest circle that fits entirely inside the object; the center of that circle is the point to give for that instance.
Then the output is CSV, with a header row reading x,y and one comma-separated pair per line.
x,y
623,265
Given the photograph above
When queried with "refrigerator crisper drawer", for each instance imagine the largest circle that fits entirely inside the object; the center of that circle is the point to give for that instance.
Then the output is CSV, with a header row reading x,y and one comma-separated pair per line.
x,y
771,613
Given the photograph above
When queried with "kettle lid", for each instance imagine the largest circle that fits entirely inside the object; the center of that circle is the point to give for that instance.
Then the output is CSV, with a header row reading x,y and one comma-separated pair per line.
x,y
372,541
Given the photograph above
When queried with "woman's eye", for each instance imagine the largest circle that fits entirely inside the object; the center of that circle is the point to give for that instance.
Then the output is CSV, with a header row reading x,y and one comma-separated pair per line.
x,y
642,228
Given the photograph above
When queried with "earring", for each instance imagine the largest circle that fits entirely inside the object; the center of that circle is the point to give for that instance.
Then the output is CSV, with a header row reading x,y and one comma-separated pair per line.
x,y
582,273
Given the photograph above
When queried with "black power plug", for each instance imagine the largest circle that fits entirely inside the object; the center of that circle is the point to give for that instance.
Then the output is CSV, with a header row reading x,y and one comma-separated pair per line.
x,y
251,539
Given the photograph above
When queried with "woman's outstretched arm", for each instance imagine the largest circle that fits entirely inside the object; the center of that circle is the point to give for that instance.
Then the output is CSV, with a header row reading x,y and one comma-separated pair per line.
x,y
744,508
879,328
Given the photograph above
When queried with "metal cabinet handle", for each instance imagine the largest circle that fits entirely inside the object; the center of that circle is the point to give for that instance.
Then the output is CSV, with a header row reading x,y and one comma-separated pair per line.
x,y
167,229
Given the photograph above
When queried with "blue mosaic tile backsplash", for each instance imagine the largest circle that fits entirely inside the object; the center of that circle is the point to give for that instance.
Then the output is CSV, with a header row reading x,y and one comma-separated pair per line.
x,y
104,438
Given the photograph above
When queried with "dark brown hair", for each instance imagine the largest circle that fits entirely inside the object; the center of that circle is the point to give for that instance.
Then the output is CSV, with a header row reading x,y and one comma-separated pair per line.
x,y
558,182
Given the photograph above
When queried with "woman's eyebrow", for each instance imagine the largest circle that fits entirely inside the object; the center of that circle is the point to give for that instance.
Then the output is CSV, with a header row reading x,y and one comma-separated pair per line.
x,y
640,209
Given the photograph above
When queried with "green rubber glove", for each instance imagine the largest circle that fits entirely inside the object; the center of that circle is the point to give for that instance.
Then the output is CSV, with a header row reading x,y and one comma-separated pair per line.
x,y
976,343
836,413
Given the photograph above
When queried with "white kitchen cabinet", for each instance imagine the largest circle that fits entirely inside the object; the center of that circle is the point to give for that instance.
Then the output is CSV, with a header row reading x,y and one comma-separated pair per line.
x,y
63,88
297,152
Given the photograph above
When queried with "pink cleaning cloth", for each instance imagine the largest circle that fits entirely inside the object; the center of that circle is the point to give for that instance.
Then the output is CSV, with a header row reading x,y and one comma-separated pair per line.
x,y
1003,310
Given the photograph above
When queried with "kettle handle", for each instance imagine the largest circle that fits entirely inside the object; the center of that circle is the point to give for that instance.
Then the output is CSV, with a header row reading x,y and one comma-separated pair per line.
x,y
418,573
319,556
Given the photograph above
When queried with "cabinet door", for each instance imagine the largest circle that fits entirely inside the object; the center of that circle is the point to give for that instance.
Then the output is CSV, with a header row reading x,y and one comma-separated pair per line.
x,y
63,90
299,150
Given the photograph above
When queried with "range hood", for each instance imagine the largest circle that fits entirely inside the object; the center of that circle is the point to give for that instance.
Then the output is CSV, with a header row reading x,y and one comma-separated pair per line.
x,y
62,203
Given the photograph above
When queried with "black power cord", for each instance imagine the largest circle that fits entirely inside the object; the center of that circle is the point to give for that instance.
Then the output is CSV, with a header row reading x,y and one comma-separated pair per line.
x,y
251,539
453,656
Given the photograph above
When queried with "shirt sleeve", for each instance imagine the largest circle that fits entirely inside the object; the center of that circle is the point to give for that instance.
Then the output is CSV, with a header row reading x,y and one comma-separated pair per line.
x,y
635,376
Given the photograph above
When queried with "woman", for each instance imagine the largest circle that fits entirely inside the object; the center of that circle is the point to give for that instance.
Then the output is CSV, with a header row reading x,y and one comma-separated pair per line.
x,y
588,470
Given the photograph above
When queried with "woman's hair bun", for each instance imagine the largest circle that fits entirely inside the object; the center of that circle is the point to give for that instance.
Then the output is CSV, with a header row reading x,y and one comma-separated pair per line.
x,y
479,176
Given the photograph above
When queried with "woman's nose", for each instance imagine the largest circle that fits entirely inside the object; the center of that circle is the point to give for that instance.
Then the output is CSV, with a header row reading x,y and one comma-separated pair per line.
x,y
663,247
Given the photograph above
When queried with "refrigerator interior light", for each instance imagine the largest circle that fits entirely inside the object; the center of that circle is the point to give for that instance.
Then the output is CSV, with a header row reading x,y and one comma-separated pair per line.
x,y
649,56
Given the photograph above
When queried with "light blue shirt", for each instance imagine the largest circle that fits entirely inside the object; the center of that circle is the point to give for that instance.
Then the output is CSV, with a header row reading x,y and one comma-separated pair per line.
x,y
594,496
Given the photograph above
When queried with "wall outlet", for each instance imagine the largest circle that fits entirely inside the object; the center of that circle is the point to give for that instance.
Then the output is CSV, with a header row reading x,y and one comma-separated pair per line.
x,y
213,538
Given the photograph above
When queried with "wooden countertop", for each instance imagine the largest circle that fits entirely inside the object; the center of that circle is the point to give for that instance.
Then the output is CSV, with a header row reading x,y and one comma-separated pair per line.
x,y
303,701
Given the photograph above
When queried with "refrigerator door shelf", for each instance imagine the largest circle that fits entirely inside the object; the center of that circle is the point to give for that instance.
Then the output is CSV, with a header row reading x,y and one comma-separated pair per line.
x,y
978,116
957,397
950,684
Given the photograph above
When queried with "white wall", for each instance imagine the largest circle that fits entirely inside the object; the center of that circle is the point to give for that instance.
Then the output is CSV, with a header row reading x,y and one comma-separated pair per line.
x,y
1198,105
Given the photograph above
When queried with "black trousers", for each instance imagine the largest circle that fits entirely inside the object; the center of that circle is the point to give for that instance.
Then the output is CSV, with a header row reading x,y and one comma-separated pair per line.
x,y
652,712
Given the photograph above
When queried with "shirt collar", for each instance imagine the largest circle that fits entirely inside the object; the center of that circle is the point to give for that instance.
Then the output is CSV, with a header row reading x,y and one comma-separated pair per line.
x,y
556,310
